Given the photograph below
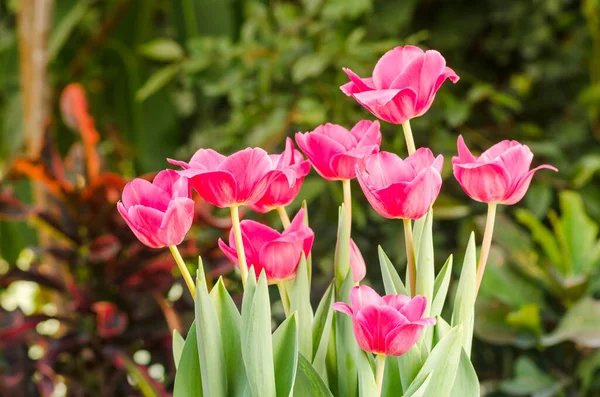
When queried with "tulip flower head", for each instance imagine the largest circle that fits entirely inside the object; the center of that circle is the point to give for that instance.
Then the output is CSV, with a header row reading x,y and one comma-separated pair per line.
x,y
404,83
388,325
159,213
265,248
241,178
357,263
335,152
284,188
399,188
500,175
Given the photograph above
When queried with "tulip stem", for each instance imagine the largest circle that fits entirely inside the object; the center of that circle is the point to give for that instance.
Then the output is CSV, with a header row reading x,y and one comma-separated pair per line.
x,y
284,298
348,204
487,243
408,136
239,244
189,281
410,256
285,219
380,371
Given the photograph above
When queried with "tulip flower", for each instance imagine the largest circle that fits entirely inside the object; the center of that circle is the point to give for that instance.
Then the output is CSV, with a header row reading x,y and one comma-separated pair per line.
x,y
501,175
277,253
404,83
335,152
357,263
284,188
388,325
239,179
160,213
399,188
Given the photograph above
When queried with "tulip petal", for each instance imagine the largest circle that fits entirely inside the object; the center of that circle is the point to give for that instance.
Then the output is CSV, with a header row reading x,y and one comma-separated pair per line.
x,y
487,182
374,200
497,150
367,133
396,301
379,320
217,187
356,84
177,221
141,192
385,168
319,149
179,163
392,105
229,252
517,161
402,338
280,258
464,154
357,262
174,184
363,296
248,167
144,222
344,164
393,63
414,309
521,187
255,235
421,159
363,336
208,159
142,234
342,307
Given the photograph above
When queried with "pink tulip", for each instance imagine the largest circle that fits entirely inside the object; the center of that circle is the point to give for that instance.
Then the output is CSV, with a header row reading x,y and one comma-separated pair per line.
x,y
399,188
241,178
285,187
403,85
159,213
357,263
500,175
335,152
388,325
265,248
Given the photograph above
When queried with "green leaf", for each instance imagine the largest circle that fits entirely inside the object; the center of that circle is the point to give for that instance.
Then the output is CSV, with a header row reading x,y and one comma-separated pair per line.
x,y
322,330
440,288
530,380
257,346
444,359
419,386
188,379
346,346
581,324
391,280
63,29
285,355
392,386
161,50
441,329
543,236
230,322
466,383
156,81
308,382
300,303
409,365
178,343
464,302
366,378
210,344
342,249
426,273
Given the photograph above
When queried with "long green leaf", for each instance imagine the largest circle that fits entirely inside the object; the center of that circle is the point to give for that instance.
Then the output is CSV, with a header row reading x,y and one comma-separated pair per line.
x,y
342,250
230,322
391,280
464,303
188,379
210,344
420,385
466,383
257,346
308,382
409,365
178,343
426,273
322,327
392,386
440,288
300,303
366,378
285,356
346,346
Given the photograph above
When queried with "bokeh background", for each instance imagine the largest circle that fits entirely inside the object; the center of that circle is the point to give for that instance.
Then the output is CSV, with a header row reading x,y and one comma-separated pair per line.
x,y
85,310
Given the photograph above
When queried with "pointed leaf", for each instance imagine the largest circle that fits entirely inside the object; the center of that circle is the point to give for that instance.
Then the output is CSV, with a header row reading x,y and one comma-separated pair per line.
x,y
409,365
346,345
178,343
285,355
188,379
342,249
420,385
391,280
440,288
392,386
322,327
366,377
300,303
466,383
308,382
426,274
464,303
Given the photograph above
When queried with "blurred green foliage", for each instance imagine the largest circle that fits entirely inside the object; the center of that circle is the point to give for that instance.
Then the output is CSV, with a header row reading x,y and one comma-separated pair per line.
x,y
165,78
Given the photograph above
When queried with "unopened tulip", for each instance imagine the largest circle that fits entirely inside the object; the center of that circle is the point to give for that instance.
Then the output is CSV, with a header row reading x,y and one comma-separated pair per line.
x,y
357,263
404,83
265,248
159,213
284,188
388,325
399,188
335,152
241,178
500,175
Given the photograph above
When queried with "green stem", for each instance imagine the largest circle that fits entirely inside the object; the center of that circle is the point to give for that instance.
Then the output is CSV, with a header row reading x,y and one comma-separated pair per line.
x,y
408,136
380,371
285,219
410,256
284,298
487,243
239,244
189,281
348,204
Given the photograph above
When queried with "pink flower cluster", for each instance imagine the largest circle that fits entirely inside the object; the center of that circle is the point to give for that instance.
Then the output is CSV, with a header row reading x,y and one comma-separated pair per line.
x,y
403,86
